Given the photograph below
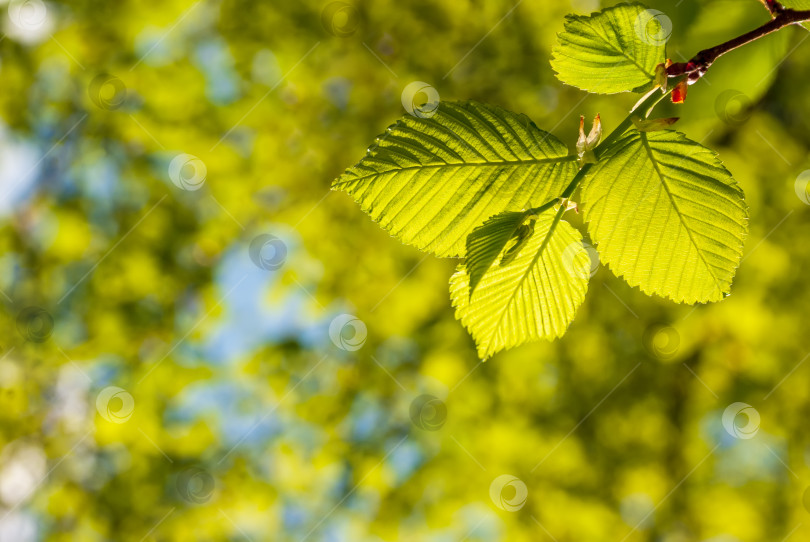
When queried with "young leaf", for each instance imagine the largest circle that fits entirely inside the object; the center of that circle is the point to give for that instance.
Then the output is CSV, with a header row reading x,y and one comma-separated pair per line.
x,y
614,50
430,181
487,241
533,297
666,215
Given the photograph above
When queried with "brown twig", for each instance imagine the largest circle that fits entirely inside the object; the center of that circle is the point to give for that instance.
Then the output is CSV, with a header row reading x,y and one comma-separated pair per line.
x,y
774,7
701,62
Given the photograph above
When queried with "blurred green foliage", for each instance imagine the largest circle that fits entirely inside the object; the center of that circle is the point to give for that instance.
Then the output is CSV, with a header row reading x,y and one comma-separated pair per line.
x,y
184,392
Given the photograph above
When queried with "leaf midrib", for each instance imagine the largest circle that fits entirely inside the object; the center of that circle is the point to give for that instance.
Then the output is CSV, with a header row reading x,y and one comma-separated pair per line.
x,y
507,163
641,68
529,268
662,178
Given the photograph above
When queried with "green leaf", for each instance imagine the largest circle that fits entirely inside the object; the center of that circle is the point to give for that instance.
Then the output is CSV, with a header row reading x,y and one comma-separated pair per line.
x,y
431,181
487,241
796,4
653,125
533,297
614,50
666,215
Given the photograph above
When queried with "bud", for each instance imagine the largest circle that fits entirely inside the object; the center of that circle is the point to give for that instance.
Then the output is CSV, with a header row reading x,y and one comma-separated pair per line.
x,y
582,138
569,204
586,144
596,134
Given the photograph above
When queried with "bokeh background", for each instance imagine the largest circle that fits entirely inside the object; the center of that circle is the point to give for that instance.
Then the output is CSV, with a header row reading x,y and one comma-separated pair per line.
x,y
202,342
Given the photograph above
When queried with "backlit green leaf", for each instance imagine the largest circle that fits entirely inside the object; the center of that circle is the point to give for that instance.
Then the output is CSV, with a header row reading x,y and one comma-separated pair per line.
x,y
666,215
431,181
796,4
487,241
614,50
533,297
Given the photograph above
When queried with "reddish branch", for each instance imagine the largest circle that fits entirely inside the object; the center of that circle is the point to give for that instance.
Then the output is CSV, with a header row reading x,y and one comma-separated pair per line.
x,y
700,63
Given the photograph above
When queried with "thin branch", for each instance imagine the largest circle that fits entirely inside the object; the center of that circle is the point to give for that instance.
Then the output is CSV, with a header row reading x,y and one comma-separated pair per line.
x,y
689,71
701,62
